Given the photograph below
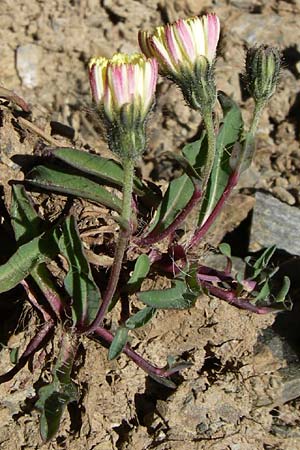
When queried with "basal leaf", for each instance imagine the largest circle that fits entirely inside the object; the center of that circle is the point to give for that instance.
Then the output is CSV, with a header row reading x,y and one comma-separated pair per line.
x,y
230,131
79,282
163,381
177,196
281,295
118,343
103,168
25,220
26,258
57,180
141,270
54,397
177,297
140,318
225,249
257,267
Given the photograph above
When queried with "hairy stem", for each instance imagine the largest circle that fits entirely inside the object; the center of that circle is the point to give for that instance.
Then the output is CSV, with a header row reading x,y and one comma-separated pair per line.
x,y
124,235
211,147
259,106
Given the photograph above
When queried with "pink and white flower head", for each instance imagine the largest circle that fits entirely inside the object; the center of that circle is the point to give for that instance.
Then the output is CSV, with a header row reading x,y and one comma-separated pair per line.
x,y
186,51
179,45
124,82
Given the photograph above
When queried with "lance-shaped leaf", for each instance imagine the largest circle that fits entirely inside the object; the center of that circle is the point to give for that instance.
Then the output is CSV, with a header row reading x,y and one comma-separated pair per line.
x,y
243,153
180,296
26,258
177,196
25,220
230,131
118,343
186,165
261,264
281,296
140,271
79,282
54,397
140,318
57,180
27,225
103,168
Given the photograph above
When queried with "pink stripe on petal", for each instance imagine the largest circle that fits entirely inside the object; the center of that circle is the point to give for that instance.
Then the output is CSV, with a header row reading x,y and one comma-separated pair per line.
x,y
116,83
93,83
161,55
185,37
213,30
172,45
131,79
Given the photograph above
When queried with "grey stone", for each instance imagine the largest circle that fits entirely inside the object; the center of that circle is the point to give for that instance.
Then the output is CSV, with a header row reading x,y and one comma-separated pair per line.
x,y
275,223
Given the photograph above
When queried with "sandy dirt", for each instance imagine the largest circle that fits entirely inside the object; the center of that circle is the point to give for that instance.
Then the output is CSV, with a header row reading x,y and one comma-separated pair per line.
x,y
230,399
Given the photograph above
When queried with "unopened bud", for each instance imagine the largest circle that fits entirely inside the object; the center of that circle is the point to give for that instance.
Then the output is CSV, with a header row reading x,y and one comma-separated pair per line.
x,y
123,88
262,71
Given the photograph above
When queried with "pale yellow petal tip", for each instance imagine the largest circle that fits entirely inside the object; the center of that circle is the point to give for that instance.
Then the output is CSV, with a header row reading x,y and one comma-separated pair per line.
x,y
124,58
99,61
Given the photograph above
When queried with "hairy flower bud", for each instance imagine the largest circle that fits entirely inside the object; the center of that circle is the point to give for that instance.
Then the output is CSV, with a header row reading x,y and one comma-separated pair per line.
x,y
124,88
262,71
185,51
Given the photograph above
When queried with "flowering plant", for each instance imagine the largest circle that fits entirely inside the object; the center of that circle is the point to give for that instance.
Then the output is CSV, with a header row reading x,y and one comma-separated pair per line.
x,y
123,88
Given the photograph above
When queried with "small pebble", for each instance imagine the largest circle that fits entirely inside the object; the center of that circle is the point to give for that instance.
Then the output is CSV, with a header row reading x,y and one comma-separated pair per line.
x,y
284,195
28,62
281,182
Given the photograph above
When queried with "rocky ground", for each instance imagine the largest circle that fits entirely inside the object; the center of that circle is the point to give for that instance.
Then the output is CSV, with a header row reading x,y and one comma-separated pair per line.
x,y
241,392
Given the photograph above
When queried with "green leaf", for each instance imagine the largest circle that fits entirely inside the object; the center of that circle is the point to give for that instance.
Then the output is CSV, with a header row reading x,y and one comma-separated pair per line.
x,y
140,271
14,355
118,343
230,131
27,225
79,282
264,292
103,168
163,381
177,297
281,295
54,397
140,318
261,263
24,218
177,196
195,152
186,166
225,249
242,153
72,184
26,258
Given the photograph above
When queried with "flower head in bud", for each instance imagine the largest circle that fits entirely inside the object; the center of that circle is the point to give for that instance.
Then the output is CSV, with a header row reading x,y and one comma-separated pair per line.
x,y
185,51
262,71
123,80
124,88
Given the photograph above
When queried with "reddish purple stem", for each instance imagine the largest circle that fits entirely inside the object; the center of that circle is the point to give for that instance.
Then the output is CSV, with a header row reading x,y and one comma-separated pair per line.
x,y
138,359
156,235
36,342
202,230
231,298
